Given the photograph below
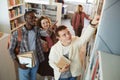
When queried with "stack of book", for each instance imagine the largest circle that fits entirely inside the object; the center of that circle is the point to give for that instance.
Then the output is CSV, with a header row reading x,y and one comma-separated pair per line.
x,y
27,58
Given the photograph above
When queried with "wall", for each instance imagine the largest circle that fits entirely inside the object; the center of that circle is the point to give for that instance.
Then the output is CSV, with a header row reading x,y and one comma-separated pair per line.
x,y
4,17
7,68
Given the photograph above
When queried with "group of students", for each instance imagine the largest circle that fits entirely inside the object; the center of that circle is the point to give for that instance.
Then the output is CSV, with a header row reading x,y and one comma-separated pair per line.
x,y
49,42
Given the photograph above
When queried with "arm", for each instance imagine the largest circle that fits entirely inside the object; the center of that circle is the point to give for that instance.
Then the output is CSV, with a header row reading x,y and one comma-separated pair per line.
x,y
88,32
87,17
45,33
52,58
13,42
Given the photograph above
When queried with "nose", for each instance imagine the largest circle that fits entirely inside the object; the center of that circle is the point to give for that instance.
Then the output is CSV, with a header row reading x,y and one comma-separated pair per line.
x,y
68,35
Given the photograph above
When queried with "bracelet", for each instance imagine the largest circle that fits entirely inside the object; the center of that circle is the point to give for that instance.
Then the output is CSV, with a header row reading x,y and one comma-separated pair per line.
x,y
92,24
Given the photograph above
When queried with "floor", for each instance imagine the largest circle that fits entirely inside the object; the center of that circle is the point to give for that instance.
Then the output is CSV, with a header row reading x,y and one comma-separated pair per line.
x,y
67,23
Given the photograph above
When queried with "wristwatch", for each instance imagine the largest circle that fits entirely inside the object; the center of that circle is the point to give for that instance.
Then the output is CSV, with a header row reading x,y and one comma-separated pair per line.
x,y
92,23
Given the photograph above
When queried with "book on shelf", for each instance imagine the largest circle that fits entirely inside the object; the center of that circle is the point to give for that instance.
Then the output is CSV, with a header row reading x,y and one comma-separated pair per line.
x,y
11,2
95,68
27,58
12,24
62,62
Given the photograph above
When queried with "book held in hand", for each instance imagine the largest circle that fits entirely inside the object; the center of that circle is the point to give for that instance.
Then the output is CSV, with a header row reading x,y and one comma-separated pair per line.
x,y
27,58
62,62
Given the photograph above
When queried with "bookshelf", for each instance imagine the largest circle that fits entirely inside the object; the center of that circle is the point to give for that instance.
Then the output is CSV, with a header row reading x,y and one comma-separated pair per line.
x,y
12,15
105,66
94,68
109,65
53,11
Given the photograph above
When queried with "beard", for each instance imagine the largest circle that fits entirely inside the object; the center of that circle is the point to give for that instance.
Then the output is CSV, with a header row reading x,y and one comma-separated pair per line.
x,y
29,26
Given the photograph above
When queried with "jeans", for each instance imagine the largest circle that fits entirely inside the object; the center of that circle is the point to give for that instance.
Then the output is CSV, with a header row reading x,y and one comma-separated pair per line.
x,y
28,74
70,78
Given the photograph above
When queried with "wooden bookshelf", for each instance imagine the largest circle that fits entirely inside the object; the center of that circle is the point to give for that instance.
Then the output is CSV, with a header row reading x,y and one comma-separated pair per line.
x,y
12,14
53,11
19,26
11,7
20,15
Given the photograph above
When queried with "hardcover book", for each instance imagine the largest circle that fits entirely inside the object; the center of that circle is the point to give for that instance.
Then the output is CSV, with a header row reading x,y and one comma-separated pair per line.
x,y
62,62
27,58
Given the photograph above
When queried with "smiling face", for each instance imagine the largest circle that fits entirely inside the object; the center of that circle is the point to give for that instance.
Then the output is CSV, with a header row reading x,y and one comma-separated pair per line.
x,y
65,37
45,24
30,19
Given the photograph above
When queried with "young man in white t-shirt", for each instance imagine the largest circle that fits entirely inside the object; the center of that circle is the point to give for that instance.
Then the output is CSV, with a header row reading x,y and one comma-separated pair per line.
x,y
69,46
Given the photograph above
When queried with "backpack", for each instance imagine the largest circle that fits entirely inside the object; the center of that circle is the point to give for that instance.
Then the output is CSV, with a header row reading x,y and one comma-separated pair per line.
x,y
17,48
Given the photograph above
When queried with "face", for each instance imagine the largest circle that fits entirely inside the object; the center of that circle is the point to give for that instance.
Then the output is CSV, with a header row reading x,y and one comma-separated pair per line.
x,y
30,20
65,37
45,24
80,9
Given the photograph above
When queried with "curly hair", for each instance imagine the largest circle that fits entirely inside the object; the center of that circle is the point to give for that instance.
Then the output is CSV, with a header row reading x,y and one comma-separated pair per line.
x,y
40,19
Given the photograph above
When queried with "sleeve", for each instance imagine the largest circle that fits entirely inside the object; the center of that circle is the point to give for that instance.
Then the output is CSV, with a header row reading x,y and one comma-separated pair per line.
x,y
45,33
85,37
52,58
13,42
86,16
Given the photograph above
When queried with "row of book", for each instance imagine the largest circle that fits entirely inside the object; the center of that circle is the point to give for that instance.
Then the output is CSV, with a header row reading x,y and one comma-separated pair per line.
x,y
15,12
14,24
95,75
14,2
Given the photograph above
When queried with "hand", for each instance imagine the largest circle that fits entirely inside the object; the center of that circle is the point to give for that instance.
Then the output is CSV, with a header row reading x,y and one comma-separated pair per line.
x,y
23,66
65,68
95,21
53,26
45,47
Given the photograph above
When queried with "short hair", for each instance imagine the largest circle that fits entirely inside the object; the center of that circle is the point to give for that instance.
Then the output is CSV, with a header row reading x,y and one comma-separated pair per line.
x,y
40,19
59,28
27,13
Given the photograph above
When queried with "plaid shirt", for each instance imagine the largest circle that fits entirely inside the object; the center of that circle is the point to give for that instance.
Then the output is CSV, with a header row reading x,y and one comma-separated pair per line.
x,y
24,43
